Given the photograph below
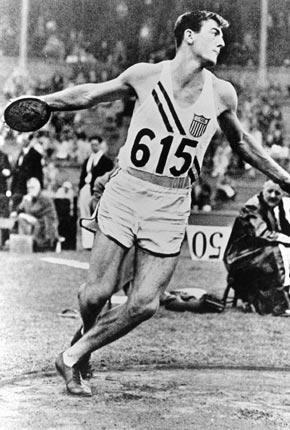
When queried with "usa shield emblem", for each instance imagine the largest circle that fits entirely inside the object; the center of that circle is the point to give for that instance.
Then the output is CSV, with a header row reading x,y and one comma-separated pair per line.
x,y
198,125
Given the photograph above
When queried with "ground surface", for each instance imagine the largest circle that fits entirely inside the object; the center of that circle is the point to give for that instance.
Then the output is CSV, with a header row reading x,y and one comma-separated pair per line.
x,y
153,399
177,371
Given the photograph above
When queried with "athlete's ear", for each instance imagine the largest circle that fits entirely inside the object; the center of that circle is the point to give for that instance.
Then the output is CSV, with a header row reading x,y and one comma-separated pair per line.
x,y
189,36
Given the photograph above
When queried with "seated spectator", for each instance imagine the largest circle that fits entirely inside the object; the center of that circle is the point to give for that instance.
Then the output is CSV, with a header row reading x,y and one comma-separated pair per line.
x,y
257,256
36,216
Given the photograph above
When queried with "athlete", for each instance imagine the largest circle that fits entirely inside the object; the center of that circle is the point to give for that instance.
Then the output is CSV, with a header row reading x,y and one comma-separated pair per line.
x,y
146,203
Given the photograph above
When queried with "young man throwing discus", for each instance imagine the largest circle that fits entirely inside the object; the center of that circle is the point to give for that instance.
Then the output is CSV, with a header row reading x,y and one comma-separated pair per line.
x,y
146,203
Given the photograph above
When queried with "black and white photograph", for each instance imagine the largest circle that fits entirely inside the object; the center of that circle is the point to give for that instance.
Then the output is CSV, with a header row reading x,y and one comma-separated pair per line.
x,y
145,214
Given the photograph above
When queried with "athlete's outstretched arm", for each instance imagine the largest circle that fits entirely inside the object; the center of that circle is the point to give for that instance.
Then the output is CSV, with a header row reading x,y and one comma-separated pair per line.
x,y
87,95
247,147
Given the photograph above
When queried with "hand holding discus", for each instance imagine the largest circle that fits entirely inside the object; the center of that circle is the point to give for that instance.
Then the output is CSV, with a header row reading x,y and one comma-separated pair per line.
x,y
27,114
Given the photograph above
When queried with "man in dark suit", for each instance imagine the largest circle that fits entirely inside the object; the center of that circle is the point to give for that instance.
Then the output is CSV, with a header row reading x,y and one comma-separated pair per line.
x,y
28,165
94,166
257,256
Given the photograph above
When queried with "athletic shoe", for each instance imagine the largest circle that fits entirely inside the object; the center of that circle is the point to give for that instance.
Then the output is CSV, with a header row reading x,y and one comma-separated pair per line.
x,y
84,366
72,378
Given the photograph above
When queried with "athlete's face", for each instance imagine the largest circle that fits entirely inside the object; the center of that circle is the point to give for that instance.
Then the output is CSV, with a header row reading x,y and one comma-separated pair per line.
x,y
208,42
272,194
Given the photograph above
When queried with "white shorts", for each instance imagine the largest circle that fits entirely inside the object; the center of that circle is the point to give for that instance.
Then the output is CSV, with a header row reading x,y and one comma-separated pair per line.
x,y
134,211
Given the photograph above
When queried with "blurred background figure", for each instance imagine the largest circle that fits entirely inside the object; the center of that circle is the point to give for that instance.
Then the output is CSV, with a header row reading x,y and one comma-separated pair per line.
x,y
225,190
5,173
97,164
66,191
36,216
18,83
221,158
29,164
50,177
65,201
201,195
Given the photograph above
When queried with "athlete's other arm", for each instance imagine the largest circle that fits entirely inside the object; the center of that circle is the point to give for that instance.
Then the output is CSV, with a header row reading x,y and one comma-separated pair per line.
x,y
242,142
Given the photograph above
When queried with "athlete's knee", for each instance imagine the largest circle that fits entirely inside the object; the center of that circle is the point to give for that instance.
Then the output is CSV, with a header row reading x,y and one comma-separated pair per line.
x,y
92,295
142,310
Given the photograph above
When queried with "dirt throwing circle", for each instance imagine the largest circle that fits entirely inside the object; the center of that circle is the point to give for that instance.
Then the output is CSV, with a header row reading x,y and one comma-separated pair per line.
x,y
151,399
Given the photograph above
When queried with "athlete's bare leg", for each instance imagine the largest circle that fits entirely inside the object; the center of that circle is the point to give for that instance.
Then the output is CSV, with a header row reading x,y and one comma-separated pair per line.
x,y
97,289
151,279
105,264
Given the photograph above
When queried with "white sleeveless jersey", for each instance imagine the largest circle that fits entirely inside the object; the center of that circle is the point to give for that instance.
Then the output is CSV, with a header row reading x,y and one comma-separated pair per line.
x,y
165,139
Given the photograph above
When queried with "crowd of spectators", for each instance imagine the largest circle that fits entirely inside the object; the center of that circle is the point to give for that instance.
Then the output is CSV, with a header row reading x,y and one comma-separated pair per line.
x,y
76,32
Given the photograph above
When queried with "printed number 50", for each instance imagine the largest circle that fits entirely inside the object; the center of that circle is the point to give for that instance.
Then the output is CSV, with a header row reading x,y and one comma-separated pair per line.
x,y
201,244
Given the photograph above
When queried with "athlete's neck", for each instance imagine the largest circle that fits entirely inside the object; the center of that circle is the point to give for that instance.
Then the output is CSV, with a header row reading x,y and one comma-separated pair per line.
x,y
186,72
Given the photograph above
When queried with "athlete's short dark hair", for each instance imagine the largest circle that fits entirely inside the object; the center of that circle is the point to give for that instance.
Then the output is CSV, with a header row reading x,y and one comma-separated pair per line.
x,y
193,20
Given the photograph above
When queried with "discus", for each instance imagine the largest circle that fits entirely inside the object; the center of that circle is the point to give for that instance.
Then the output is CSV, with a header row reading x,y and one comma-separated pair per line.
x,y
27,114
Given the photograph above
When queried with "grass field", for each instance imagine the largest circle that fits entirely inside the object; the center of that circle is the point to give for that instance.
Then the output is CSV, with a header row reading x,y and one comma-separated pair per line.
x,y
34,292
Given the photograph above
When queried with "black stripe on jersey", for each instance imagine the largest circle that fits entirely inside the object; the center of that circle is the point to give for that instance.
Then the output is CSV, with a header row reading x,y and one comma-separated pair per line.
x,y
196,165
162,112
191,176
172,110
